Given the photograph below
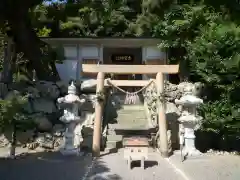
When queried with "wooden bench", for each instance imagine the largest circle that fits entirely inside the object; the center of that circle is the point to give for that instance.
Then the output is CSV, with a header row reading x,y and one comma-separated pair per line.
x,y
135,149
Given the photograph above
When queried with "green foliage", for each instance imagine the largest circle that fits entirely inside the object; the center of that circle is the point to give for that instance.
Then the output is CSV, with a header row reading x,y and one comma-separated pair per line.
x,y
216,52
98,18
215,60
221,117
44,32
180,26
11,113
95,18
185,21
203,36
1,54
208,42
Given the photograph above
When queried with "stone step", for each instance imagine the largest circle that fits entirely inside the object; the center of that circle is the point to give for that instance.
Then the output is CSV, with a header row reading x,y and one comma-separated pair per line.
x,y
109,150
120,99
131,119
114,138
127,126
112,126
111,129
142,113
131,112
113,144
123,132
128,121
132,108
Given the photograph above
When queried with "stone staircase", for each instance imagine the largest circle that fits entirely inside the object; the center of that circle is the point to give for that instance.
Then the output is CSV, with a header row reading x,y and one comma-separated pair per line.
x,y
130,120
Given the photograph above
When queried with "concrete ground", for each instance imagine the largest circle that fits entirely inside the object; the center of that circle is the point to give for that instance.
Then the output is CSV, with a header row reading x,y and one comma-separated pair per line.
x,y
52,165
208,167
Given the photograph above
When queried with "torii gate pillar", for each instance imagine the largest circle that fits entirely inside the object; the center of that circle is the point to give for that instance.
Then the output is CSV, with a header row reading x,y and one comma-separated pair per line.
x,y
97,129
162,123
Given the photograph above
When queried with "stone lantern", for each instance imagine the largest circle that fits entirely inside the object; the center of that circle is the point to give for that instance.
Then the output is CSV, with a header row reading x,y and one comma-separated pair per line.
x,y
71,104
189,121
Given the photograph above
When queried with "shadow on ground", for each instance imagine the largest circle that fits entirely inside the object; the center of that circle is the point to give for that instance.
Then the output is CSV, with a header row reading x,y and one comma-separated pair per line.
x,y
52,165
210,140
147,164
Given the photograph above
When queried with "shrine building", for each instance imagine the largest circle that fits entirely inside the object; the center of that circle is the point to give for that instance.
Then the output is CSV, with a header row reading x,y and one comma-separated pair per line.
x,y
127,51
121,59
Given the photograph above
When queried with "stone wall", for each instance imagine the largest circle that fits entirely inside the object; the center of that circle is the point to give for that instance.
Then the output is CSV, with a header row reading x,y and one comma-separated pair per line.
x,y
172,92
43,109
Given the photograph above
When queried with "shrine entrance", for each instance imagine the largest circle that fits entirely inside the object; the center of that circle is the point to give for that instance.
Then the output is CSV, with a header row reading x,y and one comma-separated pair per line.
x,y
124,56
102,70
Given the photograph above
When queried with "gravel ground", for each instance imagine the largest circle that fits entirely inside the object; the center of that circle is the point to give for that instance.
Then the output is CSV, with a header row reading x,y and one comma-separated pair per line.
x,y
156,168
53,166
209,167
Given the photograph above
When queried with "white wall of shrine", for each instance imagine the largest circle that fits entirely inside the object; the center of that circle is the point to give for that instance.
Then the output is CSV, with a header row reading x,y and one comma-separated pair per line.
x,y
152,55
75,55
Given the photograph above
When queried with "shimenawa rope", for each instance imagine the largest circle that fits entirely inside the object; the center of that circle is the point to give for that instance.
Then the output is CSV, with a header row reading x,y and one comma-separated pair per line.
x,y
131,97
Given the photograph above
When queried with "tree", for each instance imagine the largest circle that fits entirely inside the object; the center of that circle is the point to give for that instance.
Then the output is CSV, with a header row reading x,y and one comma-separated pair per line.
x,y
215,60
102,18
179,27
205,41
13,117
14,15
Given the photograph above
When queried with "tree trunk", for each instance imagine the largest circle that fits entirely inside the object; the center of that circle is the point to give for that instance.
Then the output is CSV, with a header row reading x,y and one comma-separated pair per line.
x,y
13,141
30,44
183,71
17,15
179,54
6,76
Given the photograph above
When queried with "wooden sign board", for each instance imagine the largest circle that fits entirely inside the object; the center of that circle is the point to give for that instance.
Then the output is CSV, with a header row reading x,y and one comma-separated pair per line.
x,y
122,58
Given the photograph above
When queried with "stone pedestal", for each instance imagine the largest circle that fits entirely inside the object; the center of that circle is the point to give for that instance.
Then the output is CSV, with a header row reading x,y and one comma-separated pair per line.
x,y
189,140
68,147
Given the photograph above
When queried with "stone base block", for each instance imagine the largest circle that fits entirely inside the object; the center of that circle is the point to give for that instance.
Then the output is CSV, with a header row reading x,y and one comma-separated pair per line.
x,y
191,152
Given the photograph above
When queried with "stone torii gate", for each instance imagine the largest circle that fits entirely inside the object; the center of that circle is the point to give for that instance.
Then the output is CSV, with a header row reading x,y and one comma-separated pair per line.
x,y
160,70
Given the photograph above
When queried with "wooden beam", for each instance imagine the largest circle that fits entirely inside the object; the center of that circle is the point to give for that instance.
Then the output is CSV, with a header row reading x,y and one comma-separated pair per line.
x,y
130,69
